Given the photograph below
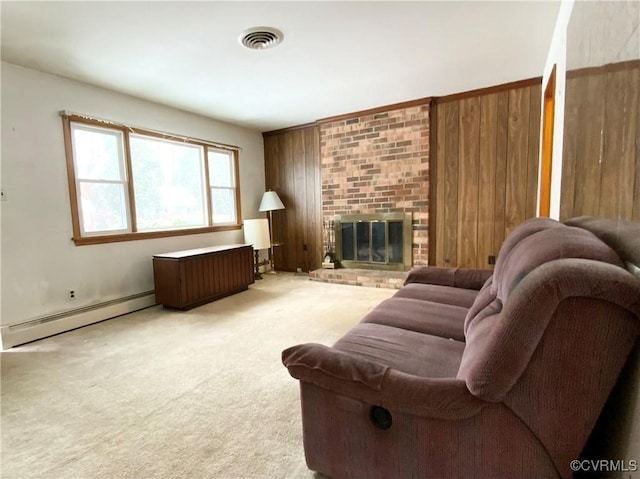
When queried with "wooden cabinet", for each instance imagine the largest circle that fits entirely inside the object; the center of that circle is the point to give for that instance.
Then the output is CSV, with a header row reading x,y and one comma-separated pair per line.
x,y
185,279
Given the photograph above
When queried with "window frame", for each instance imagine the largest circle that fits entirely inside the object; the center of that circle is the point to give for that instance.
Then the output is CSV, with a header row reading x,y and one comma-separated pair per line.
x,y
122,181
234,174
134,234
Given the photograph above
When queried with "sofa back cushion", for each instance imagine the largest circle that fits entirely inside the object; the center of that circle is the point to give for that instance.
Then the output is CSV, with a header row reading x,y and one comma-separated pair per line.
x,y
623,236
524,230
492,323
545,246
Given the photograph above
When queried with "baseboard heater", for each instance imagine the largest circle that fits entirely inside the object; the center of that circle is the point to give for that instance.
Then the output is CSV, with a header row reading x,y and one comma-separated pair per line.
x,y
38,328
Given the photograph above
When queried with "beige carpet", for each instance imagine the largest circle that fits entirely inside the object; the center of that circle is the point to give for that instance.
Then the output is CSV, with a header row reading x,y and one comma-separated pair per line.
x,y
163,394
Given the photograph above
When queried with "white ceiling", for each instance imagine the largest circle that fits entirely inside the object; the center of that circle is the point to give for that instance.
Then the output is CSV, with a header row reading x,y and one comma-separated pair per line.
x,y
336,57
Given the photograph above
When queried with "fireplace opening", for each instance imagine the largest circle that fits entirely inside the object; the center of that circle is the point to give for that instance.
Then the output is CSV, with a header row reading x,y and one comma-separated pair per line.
x,y
374,241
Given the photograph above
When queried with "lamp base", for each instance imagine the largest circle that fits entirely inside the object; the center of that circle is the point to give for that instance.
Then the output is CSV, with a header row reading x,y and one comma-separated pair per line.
x,y
256,265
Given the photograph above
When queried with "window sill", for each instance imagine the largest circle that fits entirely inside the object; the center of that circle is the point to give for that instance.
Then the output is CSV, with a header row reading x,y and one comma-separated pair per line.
x,y
89,240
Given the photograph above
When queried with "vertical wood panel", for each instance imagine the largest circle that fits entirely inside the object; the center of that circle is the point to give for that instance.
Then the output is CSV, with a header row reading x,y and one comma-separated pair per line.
x,y
635,82
570,148
487,178
450,223
313,230
601,157
438,235
218,266
486,153
589,150
206,273
612,146
517,148
533,157
288,251
469,134
272,164
630,162
501,169
200,277
295,190
292,169
192,291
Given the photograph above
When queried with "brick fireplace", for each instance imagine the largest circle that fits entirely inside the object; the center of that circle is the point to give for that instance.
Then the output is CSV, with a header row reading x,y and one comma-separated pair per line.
x,y
378,162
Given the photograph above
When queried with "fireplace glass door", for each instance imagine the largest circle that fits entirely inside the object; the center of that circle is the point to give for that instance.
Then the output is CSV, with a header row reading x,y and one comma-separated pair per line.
x,y
374,241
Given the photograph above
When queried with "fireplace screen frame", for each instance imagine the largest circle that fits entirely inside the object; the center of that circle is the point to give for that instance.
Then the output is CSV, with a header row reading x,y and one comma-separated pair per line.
x,y
407,240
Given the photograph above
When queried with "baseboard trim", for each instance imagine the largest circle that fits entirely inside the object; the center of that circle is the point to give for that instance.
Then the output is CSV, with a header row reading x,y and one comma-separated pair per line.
x,y
39,328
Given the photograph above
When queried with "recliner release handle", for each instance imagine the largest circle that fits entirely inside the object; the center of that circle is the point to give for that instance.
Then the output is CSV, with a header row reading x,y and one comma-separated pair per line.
x,y
380,417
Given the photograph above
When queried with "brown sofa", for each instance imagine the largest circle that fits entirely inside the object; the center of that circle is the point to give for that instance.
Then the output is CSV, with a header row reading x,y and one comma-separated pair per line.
x,y
478,374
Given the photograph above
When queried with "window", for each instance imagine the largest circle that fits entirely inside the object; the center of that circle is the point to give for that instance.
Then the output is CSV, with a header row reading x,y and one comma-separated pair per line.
x,y
222,184
168,179
101,180
130,184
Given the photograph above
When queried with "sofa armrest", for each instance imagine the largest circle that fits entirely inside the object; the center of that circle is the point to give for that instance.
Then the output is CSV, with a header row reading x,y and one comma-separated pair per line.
x,y
375,384
526,314
456,277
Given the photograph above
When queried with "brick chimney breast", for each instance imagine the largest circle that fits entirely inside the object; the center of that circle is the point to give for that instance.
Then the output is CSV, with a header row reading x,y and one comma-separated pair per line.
x,y
379,163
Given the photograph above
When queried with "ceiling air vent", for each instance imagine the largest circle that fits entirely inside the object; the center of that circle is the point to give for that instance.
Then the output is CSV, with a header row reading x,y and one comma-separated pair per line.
x,y
260,38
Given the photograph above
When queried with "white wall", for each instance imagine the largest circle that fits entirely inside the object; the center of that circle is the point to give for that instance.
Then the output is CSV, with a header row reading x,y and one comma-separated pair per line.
x,y
603,32
39,262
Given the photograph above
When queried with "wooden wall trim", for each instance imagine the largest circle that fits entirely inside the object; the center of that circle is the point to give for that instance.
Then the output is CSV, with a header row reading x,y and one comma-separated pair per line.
x,y
608,68
489,90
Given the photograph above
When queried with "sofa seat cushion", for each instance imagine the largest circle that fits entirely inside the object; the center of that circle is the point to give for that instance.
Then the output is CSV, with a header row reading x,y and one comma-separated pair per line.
x,y
410,352
438,294
442,320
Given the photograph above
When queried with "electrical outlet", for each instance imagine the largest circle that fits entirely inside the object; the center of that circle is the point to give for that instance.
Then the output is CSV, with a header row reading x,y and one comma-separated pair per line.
x,y
3,195
491,260
72,294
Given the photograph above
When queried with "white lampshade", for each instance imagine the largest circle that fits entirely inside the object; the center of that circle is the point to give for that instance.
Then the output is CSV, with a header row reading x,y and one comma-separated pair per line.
x,y
256,233
270,201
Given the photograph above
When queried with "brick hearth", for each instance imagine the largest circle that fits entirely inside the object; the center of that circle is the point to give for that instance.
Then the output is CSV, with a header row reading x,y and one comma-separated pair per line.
x,y
360,277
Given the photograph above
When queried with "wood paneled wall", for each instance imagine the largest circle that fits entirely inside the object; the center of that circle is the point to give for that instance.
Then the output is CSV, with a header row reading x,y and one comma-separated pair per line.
x,y
292,169
485,148
601,147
